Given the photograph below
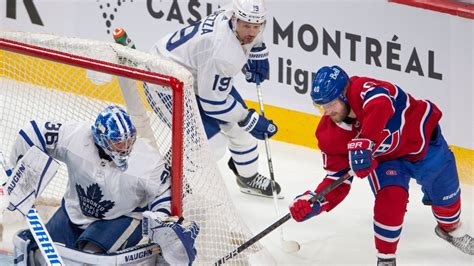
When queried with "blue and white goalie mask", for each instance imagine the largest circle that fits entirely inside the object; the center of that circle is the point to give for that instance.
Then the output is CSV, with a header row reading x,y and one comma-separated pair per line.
x,y
114,132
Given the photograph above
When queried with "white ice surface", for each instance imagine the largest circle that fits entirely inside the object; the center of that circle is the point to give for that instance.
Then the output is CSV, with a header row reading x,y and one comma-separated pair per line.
x,y
343,236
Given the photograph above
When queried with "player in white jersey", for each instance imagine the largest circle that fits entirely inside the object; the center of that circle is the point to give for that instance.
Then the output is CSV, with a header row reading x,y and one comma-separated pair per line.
x,y
115,179
215,50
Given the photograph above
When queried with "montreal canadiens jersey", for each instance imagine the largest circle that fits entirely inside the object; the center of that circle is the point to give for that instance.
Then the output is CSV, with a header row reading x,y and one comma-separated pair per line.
x,y
397,123
210,50
332,141
96,188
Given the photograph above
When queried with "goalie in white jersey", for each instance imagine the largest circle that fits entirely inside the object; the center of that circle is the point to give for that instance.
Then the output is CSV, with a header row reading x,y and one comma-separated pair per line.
x,y
215,50
115,180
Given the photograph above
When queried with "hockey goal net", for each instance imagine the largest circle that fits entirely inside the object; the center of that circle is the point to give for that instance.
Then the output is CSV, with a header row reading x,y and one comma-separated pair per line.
x,y
47,77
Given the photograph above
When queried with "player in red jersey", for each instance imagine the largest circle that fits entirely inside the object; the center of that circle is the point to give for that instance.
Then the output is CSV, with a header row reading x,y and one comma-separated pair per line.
x,y
374,129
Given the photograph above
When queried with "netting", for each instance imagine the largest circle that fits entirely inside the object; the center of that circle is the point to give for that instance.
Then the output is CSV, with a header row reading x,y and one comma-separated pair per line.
x,y
39,89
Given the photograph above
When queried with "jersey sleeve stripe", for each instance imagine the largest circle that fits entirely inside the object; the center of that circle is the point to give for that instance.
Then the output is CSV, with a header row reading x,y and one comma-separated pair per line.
x,y
234,103
26,138
212,102
39,135
368,100
140,209
159,201
163,210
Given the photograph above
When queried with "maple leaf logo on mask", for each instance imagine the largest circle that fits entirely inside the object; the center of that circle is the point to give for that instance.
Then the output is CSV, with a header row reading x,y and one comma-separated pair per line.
x,y
91,202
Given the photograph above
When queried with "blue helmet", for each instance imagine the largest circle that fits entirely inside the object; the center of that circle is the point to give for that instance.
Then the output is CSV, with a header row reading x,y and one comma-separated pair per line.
x,y
328,84
114,132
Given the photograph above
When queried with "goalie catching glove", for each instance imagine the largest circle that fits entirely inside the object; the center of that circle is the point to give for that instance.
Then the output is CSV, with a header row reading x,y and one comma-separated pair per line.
x,y
175,237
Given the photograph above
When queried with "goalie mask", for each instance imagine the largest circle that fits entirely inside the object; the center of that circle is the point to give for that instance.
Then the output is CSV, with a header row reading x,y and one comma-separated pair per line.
x,y
114,132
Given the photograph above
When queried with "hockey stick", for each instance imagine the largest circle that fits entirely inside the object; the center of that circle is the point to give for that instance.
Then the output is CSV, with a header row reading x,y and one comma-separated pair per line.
x,y
287,245
37,227
278,223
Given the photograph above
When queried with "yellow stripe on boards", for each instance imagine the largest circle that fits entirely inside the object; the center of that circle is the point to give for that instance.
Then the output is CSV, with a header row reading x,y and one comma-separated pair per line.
x,y
298,128
465,164
62,77
293,126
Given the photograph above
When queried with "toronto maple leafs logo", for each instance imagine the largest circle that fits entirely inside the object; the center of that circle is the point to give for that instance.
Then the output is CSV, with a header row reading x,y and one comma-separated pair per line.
x,y
91,202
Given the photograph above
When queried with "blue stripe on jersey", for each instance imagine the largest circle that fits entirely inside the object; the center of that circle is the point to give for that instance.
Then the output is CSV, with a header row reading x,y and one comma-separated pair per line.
x,y
247,162
165,211
387,233
48,163
234,103
211,102
26,138
39,135
243,152
376,91
140,209
341,173
158,201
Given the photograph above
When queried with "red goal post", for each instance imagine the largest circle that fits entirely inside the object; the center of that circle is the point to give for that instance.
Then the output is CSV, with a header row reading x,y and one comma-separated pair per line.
x,y
46,76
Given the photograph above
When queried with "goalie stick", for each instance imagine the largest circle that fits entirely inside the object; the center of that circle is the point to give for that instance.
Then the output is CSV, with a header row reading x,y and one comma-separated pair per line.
x,y
37,227
278,223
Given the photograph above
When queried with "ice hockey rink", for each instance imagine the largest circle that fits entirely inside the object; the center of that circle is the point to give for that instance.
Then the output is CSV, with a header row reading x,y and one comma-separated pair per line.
x,y
341,237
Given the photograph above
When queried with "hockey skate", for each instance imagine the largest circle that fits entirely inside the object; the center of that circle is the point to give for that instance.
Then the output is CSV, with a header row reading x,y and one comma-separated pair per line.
x,y
257,185
386,262
461,240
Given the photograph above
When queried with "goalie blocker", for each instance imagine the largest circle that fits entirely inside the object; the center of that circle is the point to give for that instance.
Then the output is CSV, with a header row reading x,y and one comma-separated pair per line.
x,y
30,177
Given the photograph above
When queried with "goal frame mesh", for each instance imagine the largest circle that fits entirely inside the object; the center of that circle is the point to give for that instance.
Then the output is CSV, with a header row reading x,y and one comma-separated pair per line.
x,y
198,190
127,72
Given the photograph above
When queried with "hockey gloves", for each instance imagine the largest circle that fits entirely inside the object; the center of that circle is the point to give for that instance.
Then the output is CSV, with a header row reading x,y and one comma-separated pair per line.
x,y
257,65
360,157
258,125
175,237
301,209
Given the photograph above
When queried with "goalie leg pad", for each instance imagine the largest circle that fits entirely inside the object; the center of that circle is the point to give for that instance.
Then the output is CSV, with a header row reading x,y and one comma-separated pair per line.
x,y
24,246
138,255
389,211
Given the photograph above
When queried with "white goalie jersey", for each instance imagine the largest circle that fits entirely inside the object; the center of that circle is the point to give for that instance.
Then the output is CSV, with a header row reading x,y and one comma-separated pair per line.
x,y
96,188
210,50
